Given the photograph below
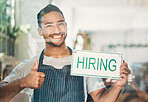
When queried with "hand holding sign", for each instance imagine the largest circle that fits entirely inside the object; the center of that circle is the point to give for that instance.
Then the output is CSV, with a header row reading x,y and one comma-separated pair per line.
x,y
34,79
124,72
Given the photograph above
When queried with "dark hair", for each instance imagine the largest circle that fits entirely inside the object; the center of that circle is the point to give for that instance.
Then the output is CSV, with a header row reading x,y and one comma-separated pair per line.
x,y
7,70
49,8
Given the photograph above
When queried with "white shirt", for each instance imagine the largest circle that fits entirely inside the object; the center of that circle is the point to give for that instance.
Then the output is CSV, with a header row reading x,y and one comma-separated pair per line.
x,y
90,83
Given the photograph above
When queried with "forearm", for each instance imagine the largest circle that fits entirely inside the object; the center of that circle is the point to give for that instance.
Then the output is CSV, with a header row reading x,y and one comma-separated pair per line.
x,y
33,80
9,90
110,95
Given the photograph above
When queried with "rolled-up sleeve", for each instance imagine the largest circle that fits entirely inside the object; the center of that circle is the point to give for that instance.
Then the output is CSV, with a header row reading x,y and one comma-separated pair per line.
x,y
20,71
93,84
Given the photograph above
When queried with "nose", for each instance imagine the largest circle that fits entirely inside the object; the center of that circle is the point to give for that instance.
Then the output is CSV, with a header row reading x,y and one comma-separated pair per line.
x,y
56,29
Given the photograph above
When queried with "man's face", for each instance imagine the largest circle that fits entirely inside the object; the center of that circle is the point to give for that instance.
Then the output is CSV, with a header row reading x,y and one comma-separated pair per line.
x,y
54,29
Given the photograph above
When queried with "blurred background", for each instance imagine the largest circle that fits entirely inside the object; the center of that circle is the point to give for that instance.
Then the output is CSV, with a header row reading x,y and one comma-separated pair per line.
x,y
102,25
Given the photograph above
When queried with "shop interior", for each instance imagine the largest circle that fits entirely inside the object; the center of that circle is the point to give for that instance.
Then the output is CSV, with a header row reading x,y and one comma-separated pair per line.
x,y
118,26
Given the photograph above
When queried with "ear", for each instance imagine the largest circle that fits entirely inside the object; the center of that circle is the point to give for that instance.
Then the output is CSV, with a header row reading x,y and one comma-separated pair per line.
x,y
66,25
40,31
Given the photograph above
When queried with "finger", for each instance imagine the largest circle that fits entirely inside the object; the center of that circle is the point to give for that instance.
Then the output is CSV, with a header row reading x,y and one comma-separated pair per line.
x,y
42,79
124,72
125,69
40,85
41,82
121,73
41,74
124,64
35,66
123,61
124,76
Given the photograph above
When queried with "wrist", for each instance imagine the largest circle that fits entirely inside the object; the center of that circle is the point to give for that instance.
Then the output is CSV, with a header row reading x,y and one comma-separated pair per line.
x,y
118,87
22,83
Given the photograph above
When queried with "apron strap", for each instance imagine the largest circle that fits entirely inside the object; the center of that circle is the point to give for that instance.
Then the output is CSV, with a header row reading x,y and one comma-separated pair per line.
x,y
41,57
70,50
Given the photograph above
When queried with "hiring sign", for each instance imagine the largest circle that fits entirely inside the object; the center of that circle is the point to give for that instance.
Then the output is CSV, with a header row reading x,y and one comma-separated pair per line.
x,y
99,64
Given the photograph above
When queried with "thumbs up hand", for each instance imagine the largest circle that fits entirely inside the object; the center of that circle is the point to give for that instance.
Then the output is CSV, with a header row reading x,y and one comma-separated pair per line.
x,y
34,79
35,68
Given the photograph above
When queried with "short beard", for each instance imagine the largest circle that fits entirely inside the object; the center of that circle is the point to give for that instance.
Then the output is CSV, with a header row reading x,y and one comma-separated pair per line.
x,y
55,45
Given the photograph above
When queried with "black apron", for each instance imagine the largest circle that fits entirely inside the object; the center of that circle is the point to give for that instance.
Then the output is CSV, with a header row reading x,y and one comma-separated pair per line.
x,y
59,85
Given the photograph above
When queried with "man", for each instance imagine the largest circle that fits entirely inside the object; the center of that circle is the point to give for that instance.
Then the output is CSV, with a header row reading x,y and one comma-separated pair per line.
x,y
50,80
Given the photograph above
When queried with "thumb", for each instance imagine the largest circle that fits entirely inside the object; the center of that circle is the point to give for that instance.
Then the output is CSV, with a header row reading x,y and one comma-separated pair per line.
x,y
35,66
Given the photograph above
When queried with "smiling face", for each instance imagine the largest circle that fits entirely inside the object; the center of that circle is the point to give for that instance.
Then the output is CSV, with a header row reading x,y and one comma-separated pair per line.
x,y
54,29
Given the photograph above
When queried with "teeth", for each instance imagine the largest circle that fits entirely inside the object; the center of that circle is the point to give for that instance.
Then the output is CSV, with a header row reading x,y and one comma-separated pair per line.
x,y
57,36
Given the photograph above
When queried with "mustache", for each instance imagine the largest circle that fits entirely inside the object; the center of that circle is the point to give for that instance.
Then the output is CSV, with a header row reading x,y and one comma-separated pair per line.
x,y
56,34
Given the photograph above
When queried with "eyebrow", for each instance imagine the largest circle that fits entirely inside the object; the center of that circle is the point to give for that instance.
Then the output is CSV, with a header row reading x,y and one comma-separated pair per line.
x,y
48,23
52,22
61,21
